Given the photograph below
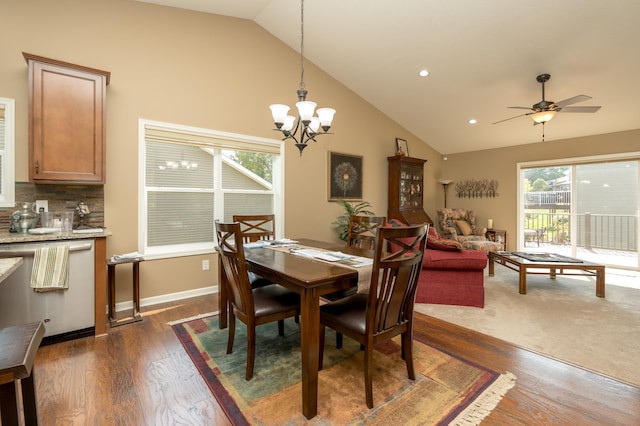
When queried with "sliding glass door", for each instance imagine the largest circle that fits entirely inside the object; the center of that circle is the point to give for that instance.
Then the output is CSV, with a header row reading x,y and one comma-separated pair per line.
x,y
585,208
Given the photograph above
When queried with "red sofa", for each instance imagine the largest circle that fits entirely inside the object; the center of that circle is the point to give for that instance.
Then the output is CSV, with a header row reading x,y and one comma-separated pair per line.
x,y
452,277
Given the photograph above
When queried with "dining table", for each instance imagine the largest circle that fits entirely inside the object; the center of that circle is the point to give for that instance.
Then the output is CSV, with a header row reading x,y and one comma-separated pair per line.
x,y
311,278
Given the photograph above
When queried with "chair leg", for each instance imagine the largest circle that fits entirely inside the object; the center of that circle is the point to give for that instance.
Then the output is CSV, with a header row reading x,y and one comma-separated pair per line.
x,y
280,327
29,400
251,351
368,372
232,331
338,340
407,352
321,346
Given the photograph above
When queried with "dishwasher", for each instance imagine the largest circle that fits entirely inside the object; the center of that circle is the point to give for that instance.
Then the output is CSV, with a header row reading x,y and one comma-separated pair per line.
x,y
67,314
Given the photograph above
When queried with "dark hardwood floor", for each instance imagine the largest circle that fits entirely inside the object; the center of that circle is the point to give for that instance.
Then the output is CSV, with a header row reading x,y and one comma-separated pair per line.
x,y
139,374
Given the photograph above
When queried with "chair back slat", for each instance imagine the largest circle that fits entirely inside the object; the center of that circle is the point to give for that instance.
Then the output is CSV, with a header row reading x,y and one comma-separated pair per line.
x,y
363,229
235,266
256,227
394,280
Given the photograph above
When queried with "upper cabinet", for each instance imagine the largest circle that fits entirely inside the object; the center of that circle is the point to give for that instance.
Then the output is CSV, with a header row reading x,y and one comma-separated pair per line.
x,y
67,130
406,188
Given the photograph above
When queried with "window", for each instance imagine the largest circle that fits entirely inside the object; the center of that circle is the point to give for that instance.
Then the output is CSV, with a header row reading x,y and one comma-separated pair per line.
x,y
7,143
584,207
191,177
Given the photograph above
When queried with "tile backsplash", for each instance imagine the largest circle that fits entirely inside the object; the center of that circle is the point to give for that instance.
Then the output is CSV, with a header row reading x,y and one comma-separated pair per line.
x,y
61,198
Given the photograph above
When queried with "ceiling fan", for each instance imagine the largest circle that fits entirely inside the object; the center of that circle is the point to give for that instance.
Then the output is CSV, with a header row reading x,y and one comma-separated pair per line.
x,y
544,110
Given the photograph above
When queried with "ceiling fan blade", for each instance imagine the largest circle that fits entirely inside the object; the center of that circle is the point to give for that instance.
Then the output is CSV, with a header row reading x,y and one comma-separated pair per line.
x,y
574,100
580,109
511,118
529,108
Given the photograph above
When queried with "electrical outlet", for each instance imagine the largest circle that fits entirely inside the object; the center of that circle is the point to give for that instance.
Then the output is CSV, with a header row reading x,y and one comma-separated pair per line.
x,y
42,206
205,265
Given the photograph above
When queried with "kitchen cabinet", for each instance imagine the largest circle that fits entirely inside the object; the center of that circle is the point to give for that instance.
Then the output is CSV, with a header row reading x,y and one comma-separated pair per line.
x,y
67,110
406,189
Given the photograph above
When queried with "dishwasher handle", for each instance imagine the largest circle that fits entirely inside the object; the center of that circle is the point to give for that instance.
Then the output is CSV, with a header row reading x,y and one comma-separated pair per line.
x,y
30,252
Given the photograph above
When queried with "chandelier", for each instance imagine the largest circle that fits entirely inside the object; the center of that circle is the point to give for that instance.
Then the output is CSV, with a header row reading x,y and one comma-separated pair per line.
x,y
307,126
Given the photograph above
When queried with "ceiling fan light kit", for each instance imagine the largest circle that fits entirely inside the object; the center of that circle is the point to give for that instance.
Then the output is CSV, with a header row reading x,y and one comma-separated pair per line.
x,y
545,110
542,116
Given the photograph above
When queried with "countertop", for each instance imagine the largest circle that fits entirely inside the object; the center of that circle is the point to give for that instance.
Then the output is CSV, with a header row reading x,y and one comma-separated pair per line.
x,y
7,237
8,265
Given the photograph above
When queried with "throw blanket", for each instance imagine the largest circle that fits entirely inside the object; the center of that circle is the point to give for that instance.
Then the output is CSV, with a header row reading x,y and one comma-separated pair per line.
x,y
50,269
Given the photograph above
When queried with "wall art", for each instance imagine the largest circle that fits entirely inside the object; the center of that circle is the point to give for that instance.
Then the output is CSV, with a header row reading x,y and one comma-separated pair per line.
x,y
345,177
473,188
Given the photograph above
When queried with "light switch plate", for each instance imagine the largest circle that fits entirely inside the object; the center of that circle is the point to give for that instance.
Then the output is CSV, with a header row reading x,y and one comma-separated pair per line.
x,y
42,204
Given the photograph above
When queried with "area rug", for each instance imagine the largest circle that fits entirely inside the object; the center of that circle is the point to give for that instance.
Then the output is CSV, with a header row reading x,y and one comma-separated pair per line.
x,y
447,389
561,318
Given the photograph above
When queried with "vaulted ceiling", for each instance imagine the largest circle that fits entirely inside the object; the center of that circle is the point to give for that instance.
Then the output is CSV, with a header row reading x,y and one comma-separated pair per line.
x,y
483,56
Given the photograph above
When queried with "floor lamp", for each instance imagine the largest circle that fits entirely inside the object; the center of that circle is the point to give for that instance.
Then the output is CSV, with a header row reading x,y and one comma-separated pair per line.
x,y
445,183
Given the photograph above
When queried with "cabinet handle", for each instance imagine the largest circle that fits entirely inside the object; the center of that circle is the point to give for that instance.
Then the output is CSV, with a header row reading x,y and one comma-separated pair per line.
x,y
37,166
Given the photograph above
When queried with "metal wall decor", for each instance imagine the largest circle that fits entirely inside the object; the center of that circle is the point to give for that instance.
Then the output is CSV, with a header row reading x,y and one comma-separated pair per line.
x,y
473,188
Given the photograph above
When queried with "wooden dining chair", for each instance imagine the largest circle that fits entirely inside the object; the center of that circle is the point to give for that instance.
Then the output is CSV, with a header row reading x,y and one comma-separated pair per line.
x,y
387,310
256,227
252,306
363,229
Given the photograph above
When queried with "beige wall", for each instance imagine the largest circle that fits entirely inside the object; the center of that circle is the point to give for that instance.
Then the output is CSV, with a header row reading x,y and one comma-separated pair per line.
x,y
222,73
500,164
200,70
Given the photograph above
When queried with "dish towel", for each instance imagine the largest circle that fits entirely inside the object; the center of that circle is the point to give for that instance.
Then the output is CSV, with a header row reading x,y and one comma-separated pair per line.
x,y
50,269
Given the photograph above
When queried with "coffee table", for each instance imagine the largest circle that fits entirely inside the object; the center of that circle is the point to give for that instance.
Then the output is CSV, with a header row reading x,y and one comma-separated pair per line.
x,y
533,263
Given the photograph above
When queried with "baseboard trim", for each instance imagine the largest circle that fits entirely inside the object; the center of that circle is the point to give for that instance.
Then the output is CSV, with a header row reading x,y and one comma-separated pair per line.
x,y
165,298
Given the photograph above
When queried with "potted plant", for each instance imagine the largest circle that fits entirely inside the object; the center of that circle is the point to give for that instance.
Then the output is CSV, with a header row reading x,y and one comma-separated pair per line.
x,y
342,222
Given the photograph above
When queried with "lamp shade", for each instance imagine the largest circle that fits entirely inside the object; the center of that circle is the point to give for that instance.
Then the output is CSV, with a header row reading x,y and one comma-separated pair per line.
x,y
289,120
543,116
306,109
279,112
326,117
314,125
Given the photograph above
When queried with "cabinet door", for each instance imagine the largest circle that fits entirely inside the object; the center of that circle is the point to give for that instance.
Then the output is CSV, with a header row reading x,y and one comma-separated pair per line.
x,y
66,121
416,187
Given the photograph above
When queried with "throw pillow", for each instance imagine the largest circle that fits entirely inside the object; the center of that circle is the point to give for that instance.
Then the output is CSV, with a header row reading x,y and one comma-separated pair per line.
x,y
464,227
394,223
441,244
436,242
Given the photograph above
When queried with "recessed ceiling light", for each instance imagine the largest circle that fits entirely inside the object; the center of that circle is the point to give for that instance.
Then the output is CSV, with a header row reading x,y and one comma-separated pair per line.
x,y
423,73
473,121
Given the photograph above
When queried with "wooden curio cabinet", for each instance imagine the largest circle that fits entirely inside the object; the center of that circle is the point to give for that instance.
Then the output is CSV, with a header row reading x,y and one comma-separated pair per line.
x,y
406,189
67,109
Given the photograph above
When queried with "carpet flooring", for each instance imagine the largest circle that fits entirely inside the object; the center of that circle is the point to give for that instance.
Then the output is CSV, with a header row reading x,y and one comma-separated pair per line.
x,y
447,389
561,318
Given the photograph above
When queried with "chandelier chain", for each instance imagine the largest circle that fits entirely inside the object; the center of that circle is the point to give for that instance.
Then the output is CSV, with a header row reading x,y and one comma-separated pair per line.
x,y
302,86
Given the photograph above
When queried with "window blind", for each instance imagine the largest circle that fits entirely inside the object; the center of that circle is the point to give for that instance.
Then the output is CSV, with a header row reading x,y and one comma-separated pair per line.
x,y
211,140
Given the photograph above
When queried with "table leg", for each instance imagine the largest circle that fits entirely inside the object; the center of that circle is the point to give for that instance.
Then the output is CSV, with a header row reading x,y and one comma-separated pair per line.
x,y
222,295
600,282
111,294
523,279
8,403
29,405
136,289
310,347
491,265
552,273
